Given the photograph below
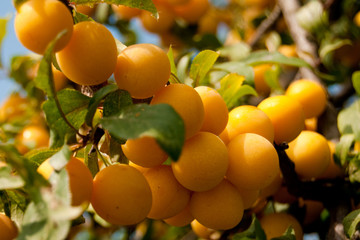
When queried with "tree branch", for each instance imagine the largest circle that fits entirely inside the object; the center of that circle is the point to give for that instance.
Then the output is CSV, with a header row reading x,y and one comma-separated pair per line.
x,y
265,25
329,191
335,194
336,229
306,50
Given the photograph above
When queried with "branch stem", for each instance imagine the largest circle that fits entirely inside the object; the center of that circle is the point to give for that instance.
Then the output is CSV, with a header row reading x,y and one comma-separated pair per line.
x,y
306,49
265,25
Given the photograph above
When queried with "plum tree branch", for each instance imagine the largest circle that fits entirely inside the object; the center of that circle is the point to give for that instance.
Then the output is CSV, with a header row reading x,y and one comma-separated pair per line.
x,y
334,193
265,25
321,190
306,50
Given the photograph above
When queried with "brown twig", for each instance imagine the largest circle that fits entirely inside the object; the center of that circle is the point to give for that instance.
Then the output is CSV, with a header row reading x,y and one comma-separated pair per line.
x,y
336,229
265,25
334,193
329,191
327,122
306,50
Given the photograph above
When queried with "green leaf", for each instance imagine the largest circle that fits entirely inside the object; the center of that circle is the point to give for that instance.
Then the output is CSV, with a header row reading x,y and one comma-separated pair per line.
x,y
330,47
263,56
24,168
34,222
232,89
14,203
172,62
115,102
61,186
259,232
235,67
120,46
354,170
272,40
96,99
74,106
102,222
343,147
356,81
201,65
9,180
351,222
205,41
182,67
129,37
20,66
173,232
348,120
173,77
312,16
115,151
3,24
253,232
61,158
5,203
40,155
18,203
272,77
91,160
235,52
44,78
79,17
102,12
159,121
49,217
147,5
60,229
243,238
57,139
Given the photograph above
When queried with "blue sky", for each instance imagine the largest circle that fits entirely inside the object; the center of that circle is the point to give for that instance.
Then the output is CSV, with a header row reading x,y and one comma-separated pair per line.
x,y
10,47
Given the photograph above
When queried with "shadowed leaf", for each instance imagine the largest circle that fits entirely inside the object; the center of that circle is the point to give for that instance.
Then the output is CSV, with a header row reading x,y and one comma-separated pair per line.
x,y
159,121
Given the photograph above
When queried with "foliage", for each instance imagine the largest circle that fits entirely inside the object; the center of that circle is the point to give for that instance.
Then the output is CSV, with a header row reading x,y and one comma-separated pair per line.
x,y
93,123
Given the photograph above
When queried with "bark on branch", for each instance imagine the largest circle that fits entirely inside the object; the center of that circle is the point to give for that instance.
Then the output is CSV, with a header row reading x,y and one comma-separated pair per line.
x,y
265,25
306,50
335,194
